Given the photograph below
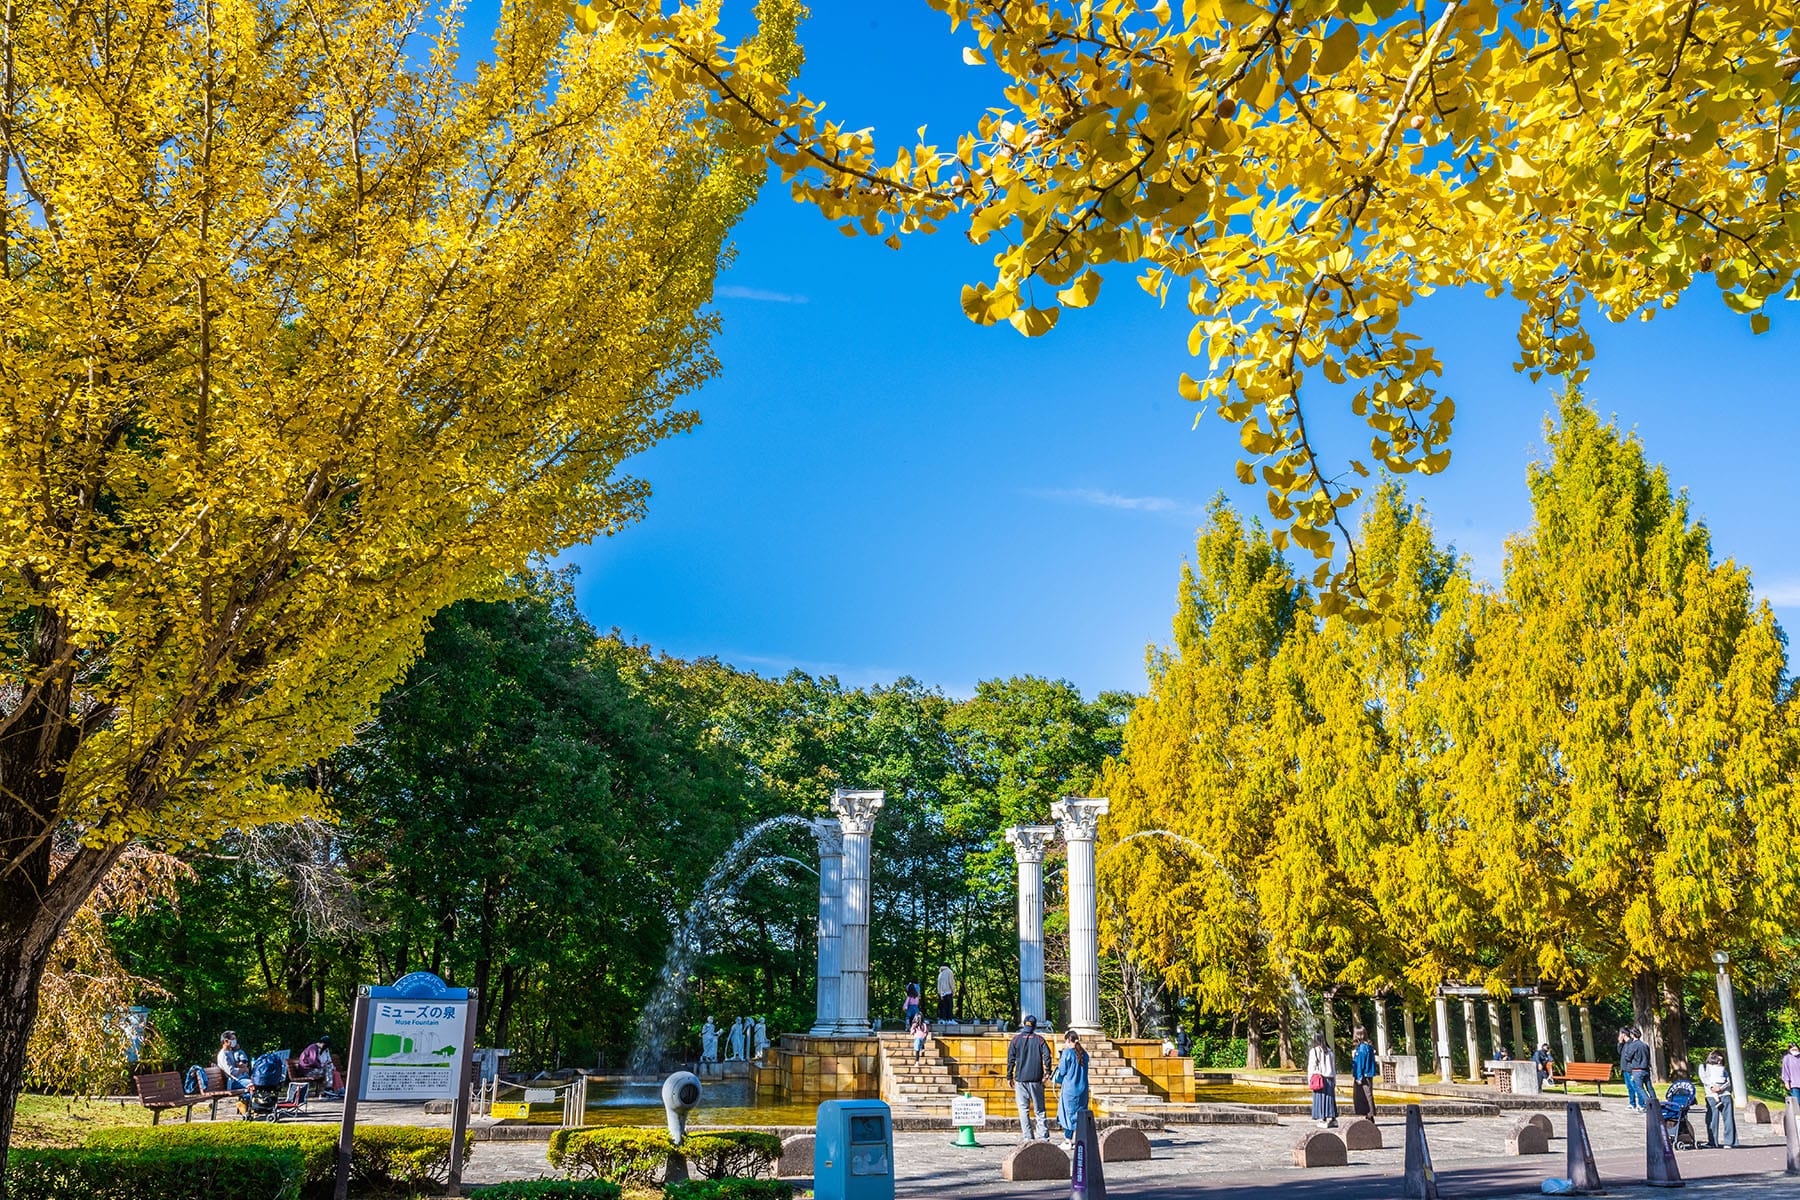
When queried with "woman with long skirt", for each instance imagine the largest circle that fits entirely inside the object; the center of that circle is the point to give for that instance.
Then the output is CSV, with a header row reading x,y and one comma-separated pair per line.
x,y
1321,1077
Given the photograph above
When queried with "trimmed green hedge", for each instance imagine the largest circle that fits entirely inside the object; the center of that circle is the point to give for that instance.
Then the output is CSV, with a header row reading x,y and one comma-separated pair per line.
x,y
730,1189
383,1158
156,1173
640,1157
549,1189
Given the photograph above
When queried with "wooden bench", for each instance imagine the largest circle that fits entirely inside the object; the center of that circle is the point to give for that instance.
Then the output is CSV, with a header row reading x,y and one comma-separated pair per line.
x,y
163,1091
1583,1072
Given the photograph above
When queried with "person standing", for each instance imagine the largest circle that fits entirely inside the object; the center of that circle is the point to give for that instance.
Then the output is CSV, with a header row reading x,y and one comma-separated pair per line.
x,y
1363,1072
912,1007
1634,1065
1027,1065
1321,1077
1184,1045
1790,1070
1721,1118
946,993
1071,1080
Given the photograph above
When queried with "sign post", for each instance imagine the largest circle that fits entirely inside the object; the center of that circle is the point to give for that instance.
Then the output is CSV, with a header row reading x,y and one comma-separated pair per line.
x,y
968,1113
411,1041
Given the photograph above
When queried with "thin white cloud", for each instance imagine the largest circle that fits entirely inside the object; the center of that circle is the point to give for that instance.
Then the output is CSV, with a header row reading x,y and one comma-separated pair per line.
x,y
1781,593
732,291
1098,498
845,672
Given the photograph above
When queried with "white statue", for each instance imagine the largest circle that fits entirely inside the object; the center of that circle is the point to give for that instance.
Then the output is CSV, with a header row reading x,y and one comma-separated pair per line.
x,y
709,1042
762,1038
737,1040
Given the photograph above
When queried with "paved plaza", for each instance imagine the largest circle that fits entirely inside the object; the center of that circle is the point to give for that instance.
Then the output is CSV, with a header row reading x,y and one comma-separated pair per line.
x,y
1256,1161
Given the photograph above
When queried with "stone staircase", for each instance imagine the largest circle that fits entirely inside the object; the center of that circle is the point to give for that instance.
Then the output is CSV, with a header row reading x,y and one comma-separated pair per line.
x,y
977,1065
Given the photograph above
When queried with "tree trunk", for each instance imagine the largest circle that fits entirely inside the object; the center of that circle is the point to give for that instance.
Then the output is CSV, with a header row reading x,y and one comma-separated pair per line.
x,y
503,1017
1253,1043
34,910
1644,994
1284,1030
1674,1023
19,977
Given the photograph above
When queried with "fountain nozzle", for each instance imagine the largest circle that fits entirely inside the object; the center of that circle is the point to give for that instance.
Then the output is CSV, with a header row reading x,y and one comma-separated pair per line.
x,y
680,1092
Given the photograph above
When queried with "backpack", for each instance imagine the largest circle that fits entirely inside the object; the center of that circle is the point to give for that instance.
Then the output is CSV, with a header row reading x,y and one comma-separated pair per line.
x,y
268,1070
194,1081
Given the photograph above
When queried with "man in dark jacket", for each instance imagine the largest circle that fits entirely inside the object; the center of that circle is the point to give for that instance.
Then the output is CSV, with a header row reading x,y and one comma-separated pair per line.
x,y
1634,1065
1027,1066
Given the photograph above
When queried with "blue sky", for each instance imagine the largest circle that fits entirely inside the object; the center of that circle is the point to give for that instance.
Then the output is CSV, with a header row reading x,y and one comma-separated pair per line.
x,y
881,488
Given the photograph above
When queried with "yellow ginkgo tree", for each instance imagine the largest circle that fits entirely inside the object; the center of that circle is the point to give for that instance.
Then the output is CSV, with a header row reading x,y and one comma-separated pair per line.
x,y
1295,173
306,331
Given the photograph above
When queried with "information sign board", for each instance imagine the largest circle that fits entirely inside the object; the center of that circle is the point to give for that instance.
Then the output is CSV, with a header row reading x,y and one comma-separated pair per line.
x,y
415,1049
968,1110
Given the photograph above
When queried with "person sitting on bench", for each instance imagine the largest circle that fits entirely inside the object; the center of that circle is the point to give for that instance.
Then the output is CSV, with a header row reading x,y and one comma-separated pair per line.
x,y
234,1062
313,1065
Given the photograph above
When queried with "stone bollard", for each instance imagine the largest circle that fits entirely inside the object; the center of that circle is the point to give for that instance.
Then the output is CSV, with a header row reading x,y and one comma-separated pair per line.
x,y
1659,1154
1320,1148
1527,1138
1362,1134
1790,1128
796,1156
1034,1161
1122,1143
1420,1179
1543,1123
1757,1113
1581,1170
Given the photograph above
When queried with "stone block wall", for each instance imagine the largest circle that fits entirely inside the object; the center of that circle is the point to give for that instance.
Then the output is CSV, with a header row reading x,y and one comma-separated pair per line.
x,y
1172,1078
811,1069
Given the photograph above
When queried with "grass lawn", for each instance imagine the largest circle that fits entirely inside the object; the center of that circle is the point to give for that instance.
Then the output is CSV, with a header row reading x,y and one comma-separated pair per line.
x,y
65,1121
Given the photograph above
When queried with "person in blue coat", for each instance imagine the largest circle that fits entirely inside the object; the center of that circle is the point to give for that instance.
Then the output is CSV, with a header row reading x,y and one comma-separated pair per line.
x,y
1364,1071
1071,1079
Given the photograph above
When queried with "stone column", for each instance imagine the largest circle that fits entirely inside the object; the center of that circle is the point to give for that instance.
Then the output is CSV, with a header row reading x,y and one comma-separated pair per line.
x,y
1441,1030
1472,1038
1587,1039
1496,1035
1381,1031
1406,1021
1568,1032
1518,1028
1079,817
830,837
856,814
1540,1020
1029,843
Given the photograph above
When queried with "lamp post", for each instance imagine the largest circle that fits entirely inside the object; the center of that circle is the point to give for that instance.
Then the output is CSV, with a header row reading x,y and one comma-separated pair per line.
x,y
1734,1051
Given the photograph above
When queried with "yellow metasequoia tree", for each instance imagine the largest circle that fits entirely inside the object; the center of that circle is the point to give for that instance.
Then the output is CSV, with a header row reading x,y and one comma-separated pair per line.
x,y
305,332
1296,172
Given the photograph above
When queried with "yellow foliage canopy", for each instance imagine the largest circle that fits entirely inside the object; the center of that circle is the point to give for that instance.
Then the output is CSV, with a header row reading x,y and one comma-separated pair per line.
x,y
303,335
1296,172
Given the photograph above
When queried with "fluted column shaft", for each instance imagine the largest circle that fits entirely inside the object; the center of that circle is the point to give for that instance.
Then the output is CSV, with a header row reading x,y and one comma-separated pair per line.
x,y
1029,843
1079,817
830,838
856,816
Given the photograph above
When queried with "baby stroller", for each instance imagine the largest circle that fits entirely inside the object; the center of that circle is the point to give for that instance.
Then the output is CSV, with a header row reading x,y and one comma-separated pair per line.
x,y
268,1086
1675,1106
